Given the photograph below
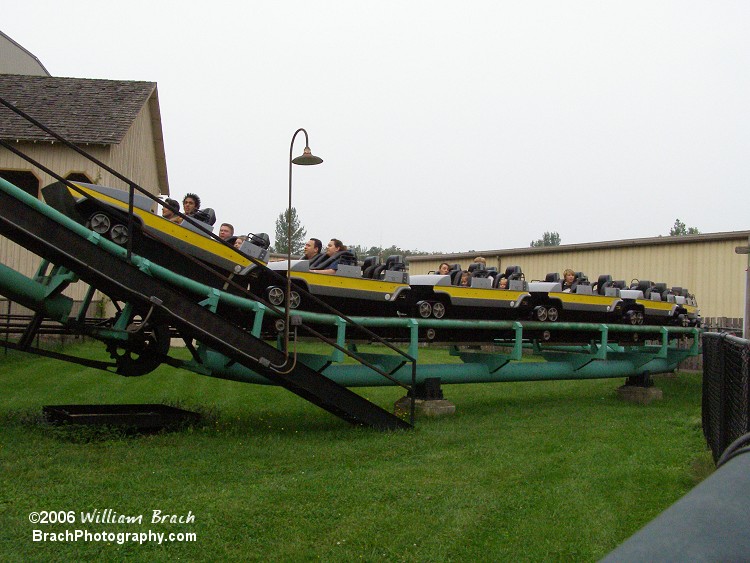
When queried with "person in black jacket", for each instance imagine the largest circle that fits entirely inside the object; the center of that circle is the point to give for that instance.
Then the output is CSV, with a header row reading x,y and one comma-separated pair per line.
x,y
569,280
313,249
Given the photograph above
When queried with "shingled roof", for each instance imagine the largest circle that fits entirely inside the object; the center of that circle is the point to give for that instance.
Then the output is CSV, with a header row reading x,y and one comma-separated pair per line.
x,y
82,110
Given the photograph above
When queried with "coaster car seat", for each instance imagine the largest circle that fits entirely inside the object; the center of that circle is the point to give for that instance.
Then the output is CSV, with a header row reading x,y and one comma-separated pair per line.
x,y
513,273
368,266
395,262
601,285
206,215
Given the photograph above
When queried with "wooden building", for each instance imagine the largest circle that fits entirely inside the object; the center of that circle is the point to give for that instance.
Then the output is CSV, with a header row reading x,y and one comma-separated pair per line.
x,y
116,121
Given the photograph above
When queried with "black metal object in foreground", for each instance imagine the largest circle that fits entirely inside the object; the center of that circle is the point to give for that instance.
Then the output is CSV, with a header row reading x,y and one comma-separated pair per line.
x,y
710,523
726,390
143,418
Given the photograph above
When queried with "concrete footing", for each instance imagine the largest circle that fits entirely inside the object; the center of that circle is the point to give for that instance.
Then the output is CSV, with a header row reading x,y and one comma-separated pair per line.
x,y
641,395
424,407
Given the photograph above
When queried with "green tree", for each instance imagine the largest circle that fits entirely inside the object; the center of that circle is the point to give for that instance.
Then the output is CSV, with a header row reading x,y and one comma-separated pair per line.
x,y
680,229
299,233
549,239
362,251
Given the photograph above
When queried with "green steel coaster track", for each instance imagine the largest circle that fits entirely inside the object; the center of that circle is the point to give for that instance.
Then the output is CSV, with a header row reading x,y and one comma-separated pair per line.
x,y
158,301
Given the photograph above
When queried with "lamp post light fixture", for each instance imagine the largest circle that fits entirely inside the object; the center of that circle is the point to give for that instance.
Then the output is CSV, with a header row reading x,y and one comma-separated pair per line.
x,y
305,159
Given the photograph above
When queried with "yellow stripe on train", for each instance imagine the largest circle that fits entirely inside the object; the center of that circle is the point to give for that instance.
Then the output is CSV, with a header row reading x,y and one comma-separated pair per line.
x,y
167,227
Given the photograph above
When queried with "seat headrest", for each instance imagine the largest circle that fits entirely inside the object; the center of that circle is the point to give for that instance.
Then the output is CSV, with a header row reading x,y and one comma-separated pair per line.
x,y
513,272
604,281
369,261
261,239
347,257
391,261
643,285
206,215
552,277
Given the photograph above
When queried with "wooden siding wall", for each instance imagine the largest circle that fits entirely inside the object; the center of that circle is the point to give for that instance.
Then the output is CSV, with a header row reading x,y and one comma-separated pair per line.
x,y
135,158
58,158
710,269
14,59
63,161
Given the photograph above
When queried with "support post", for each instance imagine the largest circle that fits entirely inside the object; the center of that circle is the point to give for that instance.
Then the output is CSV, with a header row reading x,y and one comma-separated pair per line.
x,y
426,398
746,319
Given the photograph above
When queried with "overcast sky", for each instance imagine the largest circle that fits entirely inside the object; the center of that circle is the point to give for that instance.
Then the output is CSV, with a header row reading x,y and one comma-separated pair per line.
x,y
444,126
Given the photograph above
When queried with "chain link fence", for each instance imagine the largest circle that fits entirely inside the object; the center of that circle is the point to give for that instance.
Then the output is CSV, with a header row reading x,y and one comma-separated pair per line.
x,y
725,389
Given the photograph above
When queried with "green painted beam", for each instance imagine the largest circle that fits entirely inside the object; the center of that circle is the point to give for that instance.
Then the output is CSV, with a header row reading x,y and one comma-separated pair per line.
x,y
474,370
34,295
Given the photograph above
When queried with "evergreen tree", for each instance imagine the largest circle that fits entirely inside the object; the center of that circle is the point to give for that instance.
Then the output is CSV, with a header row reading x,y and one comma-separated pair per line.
x,y
299,233
549,239
679,229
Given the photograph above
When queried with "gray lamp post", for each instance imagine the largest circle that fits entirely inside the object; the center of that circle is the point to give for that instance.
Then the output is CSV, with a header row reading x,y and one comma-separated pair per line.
x,y
306,159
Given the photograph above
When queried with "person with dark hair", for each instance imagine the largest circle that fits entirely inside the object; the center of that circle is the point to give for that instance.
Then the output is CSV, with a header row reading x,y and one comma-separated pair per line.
x,y
313,249
191,203
226,231
444,268
334,247
170,209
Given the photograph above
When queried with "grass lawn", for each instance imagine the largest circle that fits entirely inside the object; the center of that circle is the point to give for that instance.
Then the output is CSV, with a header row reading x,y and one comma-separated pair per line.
x,y
542,471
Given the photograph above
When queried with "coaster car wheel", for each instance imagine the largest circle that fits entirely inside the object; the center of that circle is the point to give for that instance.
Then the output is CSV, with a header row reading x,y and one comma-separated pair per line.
x,y
294,300
539,313
424,309
119,234
439,309
631,317
99,223
275,295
